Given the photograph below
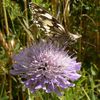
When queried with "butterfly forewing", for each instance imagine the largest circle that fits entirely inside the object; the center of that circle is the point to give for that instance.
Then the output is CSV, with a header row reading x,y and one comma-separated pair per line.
x,y
44,20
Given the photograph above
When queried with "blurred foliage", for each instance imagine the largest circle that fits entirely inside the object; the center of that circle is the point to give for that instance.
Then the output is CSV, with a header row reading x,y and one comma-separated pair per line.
x,y
78,16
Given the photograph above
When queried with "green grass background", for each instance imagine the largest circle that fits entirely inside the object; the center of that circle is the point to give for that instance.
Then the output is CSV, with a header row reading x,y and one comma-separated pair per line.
x,y
78,16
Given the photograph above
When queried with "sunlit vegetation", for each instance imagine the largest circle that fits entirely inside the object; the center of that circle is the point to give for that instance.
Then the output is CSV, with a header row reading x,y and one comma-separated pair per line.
x,y
18,32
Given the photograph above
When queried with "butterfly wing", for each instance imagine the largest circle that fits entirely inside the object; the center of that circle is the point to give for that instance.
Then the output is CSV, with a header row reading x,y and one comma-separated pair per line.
x,y
47,23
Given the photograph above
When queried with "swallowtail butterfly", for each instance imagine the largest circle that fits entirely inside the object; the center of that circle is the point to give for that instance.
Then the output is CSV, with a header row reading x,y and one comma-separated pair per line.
x,y
48,24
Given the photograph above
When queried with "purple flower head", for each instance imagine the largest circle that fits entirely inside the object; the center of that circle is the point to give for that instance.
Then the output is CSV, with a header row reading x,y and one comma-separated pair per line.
x,y
46,66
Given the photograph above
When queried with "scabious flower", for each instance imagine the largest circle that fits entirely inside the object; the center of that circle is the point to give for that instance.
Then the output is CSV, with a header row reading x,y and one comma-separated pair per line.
x,y
46,66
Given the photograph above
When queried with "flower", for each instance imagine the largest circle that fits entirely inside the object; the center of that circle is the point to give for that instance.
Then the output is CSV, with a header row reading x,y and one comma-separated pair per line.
x,y
46,66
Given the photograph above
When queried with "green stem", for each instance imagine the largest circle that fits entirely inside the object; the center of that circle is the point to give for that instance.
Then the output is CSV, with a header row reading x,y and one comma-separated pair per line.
x,y
5,17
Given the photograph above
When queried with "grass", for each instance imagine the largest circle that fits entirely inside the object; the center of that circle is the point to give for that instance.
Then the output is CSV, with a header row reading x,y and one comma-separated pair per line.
x,y
17,32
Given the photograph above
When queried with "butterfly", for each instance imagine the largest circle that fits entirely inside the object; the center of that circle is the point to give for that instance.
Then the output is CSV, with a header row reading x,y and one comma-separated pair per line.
x,y
50,25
